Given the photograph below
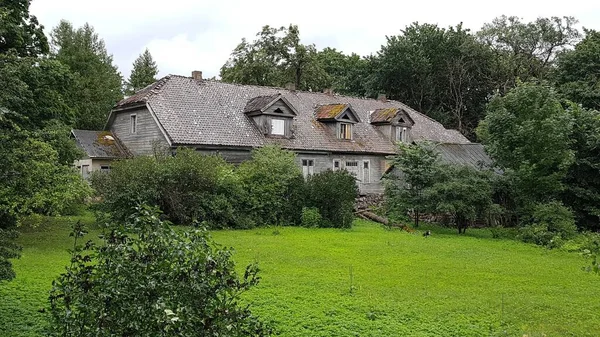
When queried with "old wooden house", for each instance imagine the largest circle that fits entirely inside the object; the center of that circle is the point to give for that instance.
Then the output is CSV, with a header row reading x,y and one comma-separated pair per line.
x,y
327,131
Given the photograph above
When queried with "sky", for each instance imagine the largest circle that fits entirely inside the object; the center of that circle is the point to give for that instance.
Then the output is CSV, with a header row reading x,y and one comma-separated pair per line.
x,y
187,35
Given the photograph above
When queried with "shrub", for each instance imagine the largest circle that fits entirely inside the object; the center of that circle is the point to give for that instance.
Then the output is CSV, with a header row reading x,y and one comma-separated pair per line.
x,y
333,194
311,217
150,280
551,226
266,181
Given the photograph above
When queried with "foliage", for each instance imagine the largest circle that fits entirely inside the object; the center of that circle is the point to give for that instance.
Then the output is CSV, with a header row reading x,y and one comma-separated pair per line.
x,y
462,191
333,193
577,73
266,180
149,279
417,168
528,131
551,226
8,250
98,82
527,50
444,73
311,217
21,32
143,73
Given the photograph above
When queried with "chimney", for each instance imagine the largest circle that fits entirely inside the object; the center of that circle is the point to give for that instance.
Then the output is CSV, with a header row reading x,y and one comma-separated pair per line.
x,y
197,75
382,98
328,91
290,86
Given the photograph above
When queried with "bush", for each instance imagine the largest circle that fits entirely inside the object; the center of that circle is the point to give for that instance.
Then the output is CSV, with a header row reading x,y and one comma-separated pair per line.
x,y
150,280
333,194
552,225
311,217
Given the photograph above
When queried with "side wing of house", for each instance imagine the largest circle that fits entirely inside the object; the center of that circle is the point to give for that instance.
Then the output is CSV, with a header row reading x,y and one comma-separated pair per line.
x,y
138,130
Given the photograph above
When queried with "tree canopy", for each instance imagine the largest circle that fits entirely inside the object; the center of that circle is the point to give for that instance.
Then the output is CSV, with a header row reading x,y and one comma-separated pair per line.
x,y
143,73
20,32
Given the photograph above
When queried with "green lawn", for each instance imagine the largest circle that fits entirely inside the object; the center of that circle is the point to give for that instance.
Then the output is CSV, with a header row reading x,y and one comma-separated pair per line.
x,y
402,284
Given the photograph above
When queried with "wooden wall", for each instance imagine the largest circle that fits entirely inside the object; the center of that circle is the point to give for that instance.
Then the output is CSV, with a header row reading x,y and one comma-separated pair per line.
x,y
147,135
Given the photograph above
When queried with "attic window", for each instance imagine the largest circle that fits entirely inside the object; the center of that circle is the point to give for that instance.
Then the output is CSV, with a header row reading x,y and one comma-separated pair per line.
x,y
278,110
401,134
277,127
133,123
345,131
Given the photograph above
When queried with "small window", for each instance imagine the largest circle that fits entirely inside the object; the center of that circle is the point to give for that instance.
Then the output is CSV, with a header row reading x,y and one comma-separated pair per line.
x,y
133,123
400,134
336,164
308,167
104,168
352,167
277,127
366,172
345,131
278,110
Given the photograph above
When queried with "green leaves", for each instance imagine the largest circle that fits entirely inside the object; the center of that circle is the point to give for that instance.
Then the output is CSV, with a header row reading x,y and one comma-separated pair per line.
x,y
150,280
143,73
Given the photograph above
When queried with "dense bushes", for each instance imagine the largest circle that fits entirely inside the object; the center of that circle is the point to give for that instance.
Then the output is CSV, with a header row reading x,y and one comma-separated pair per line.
x,y
267,190
150,280
551,226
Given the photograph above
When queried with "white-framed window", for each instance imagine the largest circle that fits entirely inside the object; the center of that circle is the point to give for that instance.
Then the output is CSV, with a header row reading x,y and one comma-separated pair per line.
x,y
308,167
277,127
401,134
352,167
345,131
366,172
133,123
337,165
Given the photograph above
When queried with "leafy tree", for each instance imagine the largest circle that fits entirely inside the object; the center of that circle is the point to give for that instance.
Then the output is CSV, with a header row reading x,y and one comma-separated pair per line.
x,y
345,74
527,50
143,73
552,223
463,192
21,32
578,71
417,167
98,82
529,132
149,279
582,181
445,73
333,194
8,250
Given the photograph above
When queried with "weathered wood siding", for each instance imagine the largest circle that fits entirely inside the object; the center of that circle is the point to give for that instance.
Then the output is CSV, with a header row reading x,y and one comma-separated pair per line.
x,y
368,180
231,156
147,135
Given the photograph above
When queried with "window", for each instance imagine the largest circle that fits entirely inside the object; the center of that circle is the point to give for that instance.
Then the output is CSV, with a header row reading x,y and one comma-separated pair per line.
x,y
366,172
345,131
401,134
133,123
104,168
308,167
352,167
277,127
336,164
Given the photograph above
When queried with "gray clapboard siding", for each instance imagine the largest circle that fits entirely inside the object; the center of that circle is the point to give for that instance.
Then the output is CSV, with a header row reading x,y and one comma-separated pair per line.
x,y
147,135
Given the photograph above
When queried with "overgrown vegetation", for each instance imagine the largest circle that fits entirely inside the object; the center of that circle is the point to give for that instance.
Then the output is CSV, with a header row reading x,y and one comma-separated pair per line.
x,y
267,190
149,279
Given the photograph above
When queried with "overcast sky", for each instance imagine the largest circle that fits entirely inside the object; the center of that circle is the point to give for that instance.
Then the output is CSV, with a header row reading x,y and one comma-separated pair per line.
x,y
186,35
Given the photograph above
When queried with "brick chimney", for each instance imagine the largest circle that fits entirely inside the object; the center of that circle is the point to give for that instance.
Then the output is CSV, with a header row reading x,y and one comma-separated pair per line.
x,y
197,75
290,86
382,98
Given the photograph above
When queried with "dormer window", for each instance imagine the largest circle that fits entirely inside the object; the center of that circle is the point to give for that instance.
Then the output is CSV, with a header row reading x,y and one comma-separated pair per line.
x,y
277,127
393,122
345,131
401,134
273,115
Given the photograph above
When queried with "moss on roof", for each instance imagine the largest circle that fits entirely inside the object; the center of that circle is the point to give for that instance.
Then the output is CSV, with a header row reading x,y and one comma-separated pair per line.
x,y
383,115
330,111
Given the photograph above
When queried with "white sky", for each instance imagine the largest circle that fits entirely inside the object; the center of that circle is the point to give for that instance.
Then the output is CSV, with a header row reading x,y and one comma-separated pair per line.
x,y
186,35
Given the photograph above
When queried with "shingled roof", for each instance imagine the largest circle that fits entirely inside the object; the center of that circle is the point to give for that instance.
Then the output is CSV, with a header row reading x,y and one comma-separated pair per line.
x,y
472,154
100,144
208,112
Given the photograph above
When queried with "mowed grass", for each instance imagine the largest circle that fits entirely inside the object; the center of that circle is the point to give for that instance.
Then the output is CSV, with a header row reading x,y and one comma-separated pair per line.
x,y
365,281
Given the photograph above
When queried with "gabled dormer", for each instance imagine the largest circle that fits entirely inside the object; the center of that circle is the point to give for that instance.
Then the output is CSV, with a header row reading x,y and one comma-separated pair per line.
x,y
273,115
340,118
394,123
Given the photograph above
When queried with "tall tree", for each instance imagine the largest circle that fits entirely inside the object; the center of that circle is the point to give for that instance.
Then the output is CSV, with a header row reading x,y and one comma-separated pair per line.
x,y
444,73
578,71
527,50
20,31
143,73
528,131
98,82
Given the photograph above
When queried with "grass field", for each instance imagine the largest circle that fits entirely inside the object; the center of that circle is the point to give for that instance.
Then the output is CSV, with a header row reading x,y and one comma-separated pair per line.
x,y
367,282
